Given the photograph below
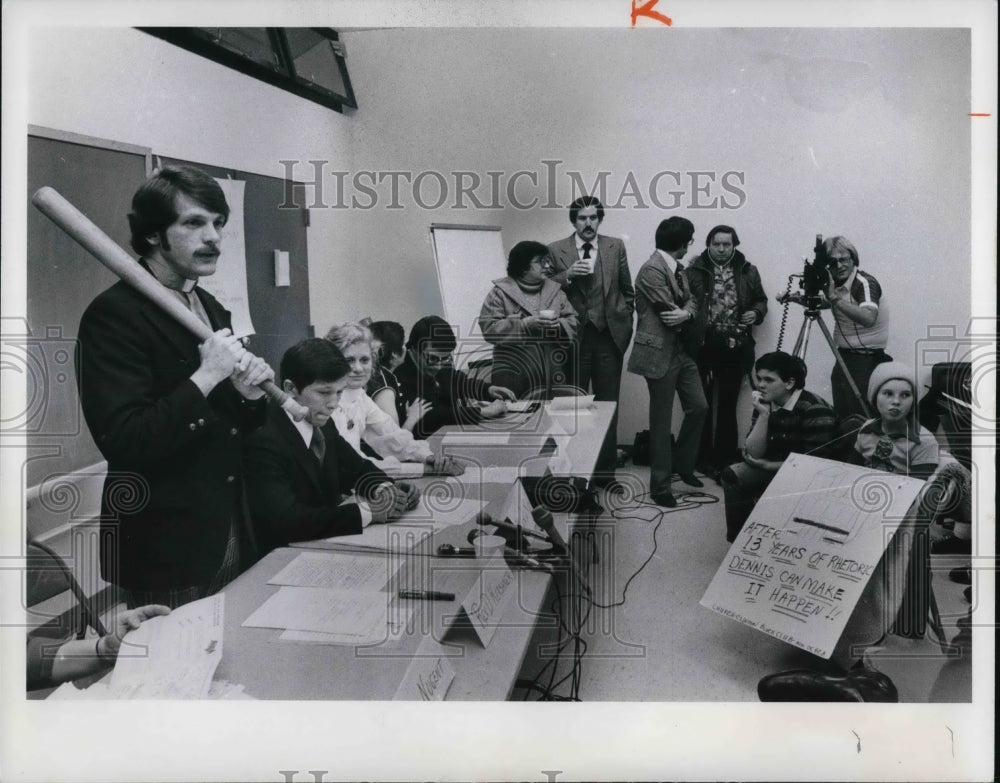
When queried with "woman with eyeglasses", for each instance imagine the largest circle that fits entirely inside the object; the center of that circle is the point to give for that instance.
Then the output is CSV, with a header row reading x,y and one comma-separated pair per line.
x,y
358,417
530,323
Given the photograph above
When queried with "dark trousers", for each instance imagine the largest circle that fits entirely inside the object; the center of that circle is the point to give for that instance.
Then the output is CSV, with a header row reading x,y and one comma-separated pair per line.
x,y
721,379
664,458
860,366
599,369
742,486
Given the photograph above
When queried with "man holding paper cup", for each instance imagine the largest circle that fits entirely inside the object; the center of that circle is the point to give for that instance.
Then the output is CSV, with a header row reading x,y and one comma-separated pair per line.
x,y
593,272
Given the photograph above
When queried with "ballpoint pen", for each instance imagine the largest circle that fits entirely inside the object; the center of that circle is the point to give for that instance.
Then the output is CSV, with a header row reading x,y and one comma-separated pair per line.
x,y
426,595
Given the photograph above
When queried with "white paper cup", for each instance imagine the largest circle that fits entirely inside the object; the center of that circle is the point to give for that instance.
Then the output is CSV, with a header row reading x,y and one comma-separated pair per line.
x,y
489,546
549,314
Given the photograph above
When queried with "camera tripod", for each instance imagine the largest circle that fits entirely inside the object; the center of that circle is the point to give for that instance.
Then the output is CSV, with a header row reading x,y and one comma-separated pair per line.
x,y
812,306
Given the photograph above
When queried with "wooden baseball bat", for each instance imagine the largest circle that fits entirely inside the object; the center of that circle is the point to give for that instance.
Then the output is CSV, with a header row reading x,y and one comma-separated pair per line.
x,y
102,247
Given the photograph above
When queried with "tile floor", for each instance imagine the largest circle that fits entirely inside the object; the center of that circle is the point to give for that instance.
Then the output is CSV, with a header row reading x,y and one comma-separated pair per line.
x,y
655,642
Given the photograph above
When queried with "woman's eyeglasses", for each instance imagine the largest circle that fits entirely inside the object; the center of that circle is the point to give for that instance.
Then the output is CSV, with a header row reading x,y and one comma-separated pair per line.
x,y
431,360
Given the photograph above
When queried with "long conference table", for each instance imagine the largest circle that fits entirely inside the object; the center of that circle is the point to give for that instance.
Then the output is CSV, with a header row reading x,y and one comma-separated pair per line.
x,y
271,668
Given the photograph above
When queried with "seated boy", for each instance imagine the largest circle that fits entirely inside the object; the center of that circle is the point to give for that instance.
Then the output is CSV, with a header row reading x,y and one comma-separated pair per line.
x,y
427,373
299,472
787,418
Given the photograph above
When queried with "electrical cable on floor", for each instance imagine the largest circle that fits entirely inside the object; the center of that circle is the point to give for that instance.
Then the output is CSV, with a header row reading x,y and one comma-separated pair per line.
x,y
686,502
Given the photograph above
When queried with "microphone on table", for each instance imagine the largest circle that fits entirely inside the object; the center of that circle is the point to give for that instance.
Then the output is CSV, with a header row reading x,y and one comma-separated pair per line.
x,y
448,550
543,518
509,552
513,534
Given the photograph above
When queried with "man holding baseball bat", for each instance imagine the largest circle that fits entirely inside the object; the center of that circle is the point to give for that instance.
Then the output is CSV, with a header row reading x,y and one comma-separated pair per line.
x,y
168,410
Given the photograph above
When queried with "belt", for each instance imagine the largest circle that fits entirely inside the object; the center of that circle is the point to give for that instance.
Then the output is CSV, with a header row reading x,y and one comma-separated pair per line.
x,y
863,351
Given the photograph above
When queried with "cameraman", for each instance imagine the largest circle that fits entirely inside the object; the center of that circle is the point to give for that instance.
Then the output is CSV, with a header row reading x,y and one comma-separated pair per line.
x,y
736,302
861,322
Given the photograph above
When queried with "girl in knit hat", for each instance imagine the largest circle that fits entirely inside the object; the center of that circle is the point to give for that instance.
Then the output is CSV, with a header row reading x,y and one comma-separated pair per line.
x,y
894,441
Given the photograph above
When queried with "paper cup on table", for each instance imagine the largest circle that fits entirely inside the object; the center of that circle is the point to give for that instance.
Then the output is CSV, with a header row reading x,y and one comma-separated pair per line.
x,y
549,314
489,546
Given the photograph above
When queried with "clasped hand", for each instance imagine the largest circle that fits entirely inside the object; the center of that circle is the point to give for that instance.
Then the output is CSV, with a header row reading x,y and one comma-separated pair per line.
x,y
674,317
223,356
394,500
440,465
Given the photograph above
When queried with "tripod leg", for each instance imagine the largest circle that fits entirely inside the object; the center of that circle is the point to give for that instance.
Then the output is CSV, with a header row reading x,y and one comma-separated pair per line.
x,y
802,343
843,368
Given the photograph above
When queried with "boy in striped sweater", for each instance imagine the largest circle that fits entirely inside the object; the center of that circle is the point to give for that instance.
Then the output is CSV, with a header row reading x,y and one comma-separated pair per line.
x,y
787,418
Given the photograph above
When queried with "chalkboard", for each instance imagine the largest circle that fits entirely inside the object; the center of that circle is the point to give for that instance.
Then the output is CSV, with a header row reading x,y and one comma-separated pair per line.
x,y
469,259
62,279
99,178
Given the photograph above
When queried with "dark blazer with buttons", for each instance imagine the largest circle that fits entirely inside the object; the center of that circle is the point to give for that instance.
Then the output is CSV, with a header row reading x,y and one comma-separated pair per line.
x,y
175,472
293,497
655,342
619,295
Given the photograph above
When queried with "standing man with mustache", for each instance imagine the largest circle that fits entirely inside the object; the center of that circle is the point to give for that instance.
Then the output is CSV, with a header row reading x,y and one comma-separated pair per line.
x,y
593,271
170,414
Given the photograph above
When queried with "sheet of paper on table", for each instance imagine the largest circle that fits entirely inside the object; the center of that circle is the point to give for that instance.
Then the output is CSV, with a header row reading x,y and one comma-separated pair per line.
x,y
336,570
475,437
569,405
349,612
490,474
173,656
394,630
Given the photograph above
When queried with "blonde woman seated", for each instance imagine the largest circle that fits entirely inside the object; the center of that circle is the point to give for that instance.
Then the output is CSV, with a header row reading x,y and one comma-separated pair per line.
x,y
359,419
530,322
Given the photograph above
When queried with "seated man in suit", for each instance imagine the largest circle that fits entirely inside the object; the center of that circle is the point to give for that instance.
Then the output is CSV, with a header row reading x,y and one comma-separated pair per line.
x,y
299,472
428,373
786,418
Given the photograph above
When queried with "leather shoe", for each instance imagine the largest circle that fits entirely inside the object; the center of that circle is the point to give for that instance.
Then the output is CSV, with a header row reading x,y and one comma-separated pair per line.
x,y
664,499
858,684
951,545
691,480
962,575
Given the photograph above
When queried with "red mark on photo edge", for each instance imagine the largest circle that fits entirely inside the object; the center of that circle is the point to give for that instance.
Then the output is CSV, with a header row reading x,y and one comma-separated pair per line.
x,y
971,114
646,9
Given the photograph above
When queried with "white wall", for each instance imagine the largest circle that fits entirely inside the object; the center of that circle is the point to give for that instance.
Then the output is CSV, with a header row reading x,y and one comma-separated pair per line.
x,y
124,85
857,132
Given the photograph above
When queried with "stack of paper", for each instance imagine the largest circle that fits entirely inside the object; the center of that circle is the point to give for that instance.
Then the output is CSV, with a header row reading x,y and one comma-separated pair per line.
x,y
345,616
173,656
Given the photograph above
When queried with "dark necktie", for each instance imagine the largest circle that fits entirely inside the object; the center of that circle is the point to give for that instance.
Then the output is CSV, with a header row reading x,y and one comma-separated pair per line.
x,y
681,283
318,444
587,247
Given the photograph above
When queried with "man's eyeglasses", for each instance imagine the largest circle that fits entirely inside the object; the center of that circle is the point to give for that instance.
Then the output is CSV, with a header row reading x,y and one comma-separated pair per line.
x,y
431,360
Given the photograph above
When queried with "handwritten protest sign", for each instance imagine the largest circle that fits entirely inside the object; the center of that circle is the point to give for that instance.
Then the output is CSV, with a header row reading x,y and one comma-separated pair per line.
x,y
799,565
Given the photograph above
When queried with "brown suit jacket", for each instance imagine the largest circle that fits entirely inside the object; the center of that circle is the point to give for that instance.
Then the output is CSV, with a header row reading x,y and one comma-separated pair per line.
x,y
656,290
619,295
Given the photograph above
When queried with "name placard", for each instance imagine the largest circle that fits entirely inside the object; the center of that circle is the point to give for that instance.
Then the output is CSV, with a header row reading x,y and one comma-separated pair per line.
x,y
798,567
485,603
428,676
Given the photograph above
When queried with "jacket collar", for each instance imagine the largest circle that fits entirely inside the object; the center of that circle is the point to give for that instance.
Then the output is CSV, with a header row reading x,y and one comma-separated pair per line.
x,y
300,451
513,291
